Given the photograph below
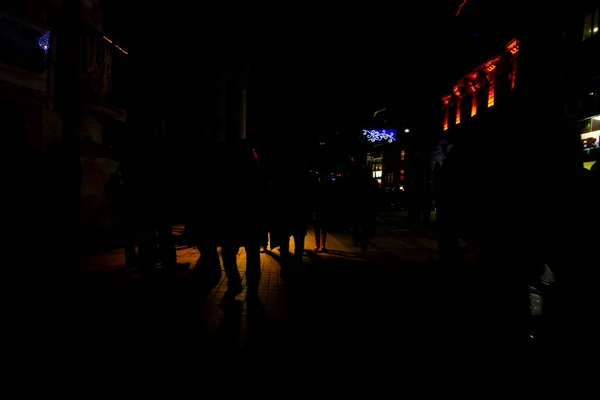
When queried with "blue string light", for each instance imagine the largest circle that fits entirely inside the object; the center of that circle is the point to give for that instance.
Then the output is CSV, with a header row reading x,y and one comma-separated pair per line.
x,y
44,41
375,135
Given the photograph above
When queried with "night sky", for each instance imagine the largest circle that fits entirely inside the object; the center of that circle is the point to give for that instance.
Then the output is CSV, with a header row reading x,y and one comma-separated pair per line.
x,y
315,69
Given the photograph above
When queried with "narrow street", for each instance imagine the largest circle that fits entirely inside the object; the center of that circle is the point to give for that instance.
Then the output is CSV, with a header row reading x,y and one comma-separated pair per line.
x,y
346,303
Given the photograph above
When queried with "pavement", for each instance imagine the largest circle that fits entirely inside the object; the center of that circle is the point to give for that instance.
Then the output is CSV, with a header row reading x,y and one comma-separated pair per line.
x,y
347,309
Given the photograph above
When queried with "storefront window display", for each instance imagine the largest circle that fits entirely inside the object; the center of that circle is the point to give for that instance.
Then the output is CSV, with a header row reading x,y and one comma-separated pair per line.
x,y
590,139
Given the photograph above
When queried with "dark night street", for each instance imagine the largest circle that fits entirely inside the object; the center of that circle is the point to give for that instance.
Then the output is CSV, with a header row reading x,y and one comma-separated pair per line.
x,y
440,159
343,307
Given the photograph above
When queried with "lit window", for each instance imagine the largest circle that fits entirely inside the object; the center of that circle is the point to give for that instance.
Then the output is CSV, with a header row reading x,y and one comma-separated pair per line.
x,y
401,174
402,155
389,178
377,174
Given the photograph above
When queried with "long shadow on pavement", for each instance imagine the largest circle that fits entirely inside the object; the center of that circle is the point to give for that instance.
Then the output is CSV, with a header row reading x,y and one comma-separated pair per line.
x,y
336,308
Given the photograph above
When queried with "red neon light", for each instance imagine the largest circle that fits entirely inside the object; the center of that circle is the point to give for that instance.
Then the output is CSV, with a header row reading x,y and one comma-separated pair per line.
x,y
460,7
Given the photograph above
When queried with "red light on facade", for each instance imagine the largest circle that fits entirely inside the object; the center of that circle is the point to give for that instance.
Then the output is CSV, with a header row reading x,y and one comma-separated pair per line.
x,y
460,7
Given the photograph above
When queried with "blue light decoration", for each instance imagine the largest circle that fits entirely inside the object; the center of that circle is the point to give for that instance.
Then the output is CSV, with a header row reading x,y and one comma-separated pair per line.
x,y
44,41
379,135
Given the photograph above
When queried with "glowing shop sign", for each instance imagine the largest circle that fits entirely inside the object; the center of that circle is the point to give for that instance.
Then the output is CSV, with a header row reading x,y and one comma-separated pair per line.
x,y
379,135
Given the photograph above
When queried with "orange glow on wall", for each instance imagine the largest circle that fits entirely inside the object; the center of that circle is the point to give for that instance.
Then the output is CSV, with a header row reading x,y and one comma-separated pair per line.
x,y
513,47
491,77
491,94
456,91
446,101
482,76
445,123
474,105
513,74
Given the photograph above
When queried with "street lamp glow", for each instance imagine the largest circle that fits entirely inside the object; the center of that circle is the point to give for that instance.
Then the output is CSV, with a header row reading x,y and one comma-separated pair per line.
x,y
406,130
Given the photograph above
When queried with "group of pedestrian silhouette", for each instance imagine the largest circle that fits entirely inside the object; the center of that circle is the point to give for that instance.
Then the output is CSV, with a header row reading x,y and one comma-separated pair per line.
x,y
244,202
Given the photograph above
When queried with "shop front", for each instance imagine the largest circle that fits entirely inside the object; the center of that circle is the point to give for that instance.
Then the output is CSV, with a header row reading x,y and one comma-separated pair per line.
x,y
381,139
590,140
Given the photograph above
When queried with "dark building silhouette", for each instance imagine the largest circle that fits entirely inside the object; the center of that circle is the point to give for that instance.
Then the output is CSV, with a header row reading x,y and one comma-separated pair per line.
x,y
74,86
395,163
63,81
583,75
27,69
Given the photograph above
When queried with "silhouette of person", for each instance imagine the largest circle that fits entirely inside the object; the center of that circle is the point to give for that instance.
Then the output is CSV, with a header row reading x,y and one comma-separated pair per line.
x,y
203,217
265,185
291,204
362,196
155,199
322,212
242,225
121,194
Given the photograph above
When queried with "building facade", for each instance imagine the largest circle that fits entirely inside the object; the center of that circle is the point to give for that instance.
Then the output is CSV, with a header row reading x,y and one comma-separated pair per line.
x,y
92,96
467,106
559,71
63,98
395,158
69,90
27,69
583,100
507,122
389,150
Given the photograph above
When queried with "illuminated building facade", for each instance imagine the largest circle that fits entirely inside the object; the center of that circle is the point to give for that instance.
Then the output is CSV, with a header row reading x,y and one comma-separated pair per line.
x,y
481,88
509,114
583,34
551,68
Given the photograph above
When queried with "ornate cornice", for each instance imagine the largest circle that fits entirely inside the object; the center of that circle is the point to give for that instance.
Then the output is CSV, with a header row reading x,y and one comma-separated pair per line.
x,y
473,80
446,99
456,90
490,64
513,47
